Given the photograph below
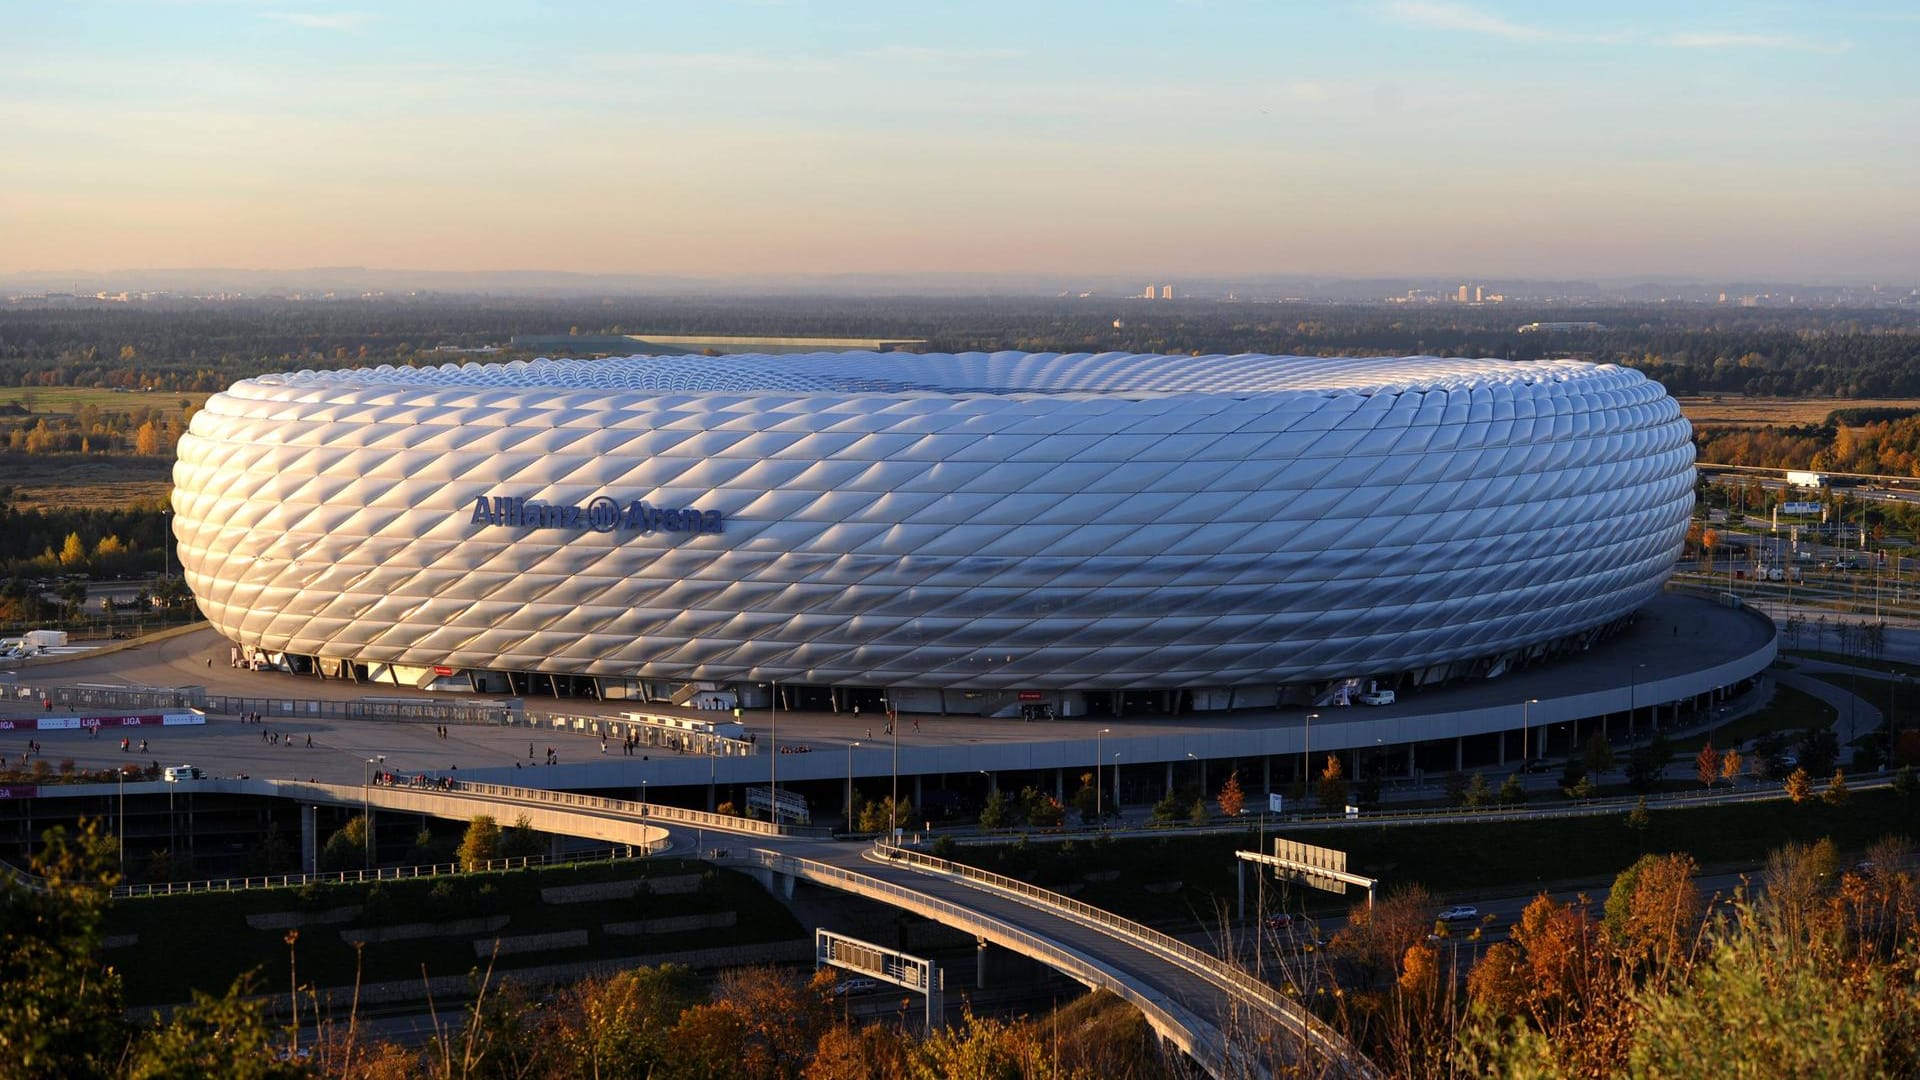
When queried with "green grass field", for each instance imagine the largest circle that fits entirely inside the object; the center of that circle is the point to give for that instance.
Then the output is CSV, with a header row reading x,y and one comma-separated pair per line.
x,y
66,400
1790,710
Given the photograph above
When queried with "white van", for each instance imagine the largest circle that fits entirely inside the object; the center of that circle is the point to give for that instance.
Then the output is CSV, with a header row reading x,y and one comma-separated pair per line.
x,y
1376,697
176,773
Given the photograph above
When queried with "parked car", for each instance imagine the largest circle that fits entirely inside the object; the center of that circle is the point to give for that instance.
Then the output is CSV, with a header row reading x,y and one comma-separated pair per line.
x,y
1459,913
1376,697
1280,921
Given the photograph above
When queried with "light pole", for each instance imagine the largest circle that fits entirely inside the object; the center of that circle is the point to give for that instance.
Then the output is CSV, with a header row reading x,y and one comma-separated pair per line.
x,y
1306,753
643,796
850,747
1116,786
166,556
893,800
773,751
1523,730
366,805
122,774
1099,797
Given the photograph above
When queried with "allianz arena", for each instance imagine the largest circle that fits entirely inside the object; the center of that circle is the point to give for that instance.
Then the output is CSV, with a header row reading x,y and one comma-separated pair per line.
x,y
1216,531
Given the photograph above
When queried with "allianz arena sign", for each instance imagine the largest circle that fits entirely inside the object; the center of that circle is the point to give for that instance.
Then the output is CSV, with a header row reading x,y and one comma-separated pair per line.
x,y
600,514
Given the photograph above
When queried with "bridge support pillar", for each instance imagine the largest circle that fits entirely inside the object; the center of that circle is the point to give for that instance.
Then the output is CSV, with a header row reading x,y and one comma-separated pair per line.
x,y
918,802
1266,773
310,839
1060,786
980,963
1459,752
1169,777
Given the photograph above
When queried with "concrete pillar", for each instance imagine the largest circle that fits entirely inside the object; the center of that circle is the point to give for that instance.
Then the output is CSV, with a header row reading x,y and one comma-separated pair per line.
x,y
1169,777
918,802
1413,766
1266,774
310,839
1459,752
1503,748
1060,786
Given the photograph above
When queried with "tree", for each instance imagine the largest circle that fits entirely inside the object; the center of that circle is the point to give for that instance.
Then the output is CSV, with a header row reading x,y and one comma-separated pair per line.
x,y
1706,764
1730,765
481,844
146,441
1198,814
1836,793
1512,793
1819,749
1087,800
225,1036
1598,755
521,841
618,1025
1906,783
1231,799
1478,793
994,814
1639,819
1166,810
73,553
1456,788
63,1007
1582,790
346,849
1332,786
1799,786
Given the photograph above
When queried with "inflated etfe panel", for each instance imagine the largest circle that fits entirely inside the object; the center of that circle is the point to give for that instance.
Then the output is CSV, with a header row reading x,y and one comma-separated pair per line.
x,y
964,521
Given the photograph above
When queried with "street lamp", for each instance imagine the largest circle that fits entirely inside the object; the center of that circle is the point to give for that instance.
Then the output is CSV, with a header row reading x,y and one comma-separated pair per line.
x,y
166,556
893,801
773,748
1523,730
850,747
121,773
1099,797
366,805
1306,751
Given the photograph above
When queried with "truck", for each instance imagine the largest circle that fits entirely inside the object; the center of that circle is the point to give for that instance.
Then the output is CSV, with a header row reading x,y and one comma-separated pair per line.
x,y
1802,479
45,639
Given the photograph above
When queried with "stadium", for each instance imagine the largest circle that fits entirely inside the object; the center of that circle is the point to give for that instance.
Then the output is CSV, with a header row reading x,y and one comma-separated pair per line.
x,y
976,533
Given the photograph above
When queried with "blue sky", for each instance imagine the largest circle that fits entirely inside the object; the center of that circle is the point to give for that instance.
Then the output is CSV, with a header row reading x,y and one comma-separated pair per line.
x,y
1777,140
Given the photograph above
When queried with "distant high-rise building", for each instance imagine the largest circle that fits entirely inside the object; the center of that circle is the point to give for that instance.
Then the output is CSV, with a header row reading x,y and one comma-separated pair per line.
x,y
1461,295
1149,294
1479,294
1166,292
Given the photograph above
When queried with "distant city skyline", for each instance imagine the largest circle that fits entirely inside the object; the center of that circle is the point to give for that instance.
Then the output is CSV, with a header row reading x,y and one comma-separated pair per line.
x,y
1399,138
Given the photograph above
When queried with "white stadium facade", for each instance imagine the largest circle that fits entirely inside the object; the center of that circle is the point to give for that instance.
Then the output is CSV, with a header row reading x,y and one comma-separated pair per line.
x,y
977,533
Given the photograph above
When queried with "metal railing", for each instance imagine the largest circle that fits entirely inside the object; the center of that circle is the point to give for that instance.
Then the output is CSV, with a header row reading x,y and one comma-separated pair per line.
x,y
196,697
1242,984
335,877
1167,1017
644,811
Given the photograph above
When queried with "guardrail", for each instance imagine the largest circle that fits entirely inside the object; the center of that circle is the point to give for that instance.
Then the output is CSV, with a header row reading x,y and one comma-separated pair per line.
x,y
1242,984
332,877
1171,1020
626,808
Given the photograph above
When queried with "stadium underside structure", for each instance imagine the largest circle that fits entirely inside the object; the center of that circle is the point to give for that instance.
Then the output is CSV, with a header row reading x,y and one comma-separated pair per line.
x,y
978,533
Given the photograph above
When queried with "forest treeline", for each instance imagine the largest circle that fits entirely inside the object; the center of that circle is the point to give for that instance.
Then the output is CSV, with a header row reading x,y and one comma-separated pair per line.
x,y
1762,352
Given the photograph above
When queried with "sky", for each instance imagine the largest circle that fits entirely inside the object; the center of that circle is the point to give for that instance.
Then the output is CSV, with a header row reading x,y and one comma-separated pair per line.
x,y
1760,141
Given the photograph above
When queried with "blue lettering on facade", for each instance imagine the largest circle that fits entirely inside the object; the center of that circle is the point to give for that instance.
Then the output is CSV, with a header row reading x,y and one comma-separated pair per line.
x,y
600,514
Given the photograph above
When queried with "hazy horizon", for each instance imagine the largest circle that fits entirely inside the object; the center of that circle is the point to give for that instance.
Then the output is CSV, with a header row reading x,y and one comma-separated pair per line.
x,y
1394,139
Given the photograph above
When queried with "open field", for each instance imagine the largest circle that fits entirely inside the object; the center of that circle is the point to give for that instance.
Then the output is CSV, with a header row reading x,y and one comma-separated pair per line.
x,y
44,481
1737,412
64,400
